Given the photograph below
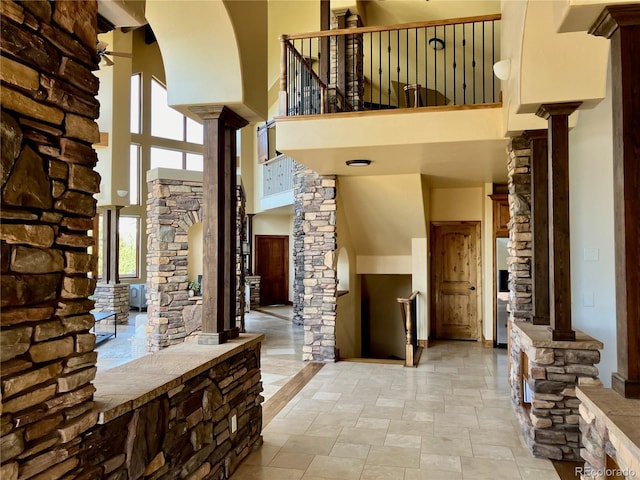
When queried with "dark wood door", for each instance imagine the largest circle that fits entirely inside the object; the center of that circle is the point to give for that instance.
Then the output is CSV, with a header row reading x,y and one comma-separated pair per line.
x,y
272,264
455,249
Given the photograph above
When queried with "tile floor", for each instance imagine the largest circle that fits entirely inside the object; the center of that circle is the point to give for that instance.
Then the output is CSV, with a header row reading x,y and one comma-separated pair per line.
x,y
448,419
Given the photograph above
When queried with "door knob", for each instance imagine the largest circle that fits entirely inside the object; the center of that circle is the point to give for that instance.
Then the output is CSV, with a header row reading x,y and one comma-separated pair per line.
x,y
472,288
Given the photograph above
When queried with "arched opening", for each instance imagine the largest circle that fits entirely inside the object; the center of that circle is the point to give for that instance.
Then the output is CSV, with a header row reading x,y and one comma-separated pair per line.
x,y
194,256
342,270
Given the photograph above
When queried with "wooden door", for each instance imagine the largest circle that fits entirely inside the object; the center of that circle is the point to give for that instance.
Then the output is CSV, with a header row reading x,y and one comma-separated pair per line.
x,y
272,264
455,261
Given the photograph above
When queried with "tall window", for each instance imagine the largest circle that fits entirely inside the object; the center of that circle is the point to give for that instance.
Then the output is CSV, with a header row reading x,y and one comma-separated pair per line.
x,y
134,174
168,124
129,248
136,105
165,121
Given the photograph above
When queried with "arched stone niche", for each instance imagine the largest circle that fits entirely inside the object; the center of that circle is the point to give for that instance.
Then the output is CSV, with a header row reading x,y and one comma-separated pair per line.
x,y
174,206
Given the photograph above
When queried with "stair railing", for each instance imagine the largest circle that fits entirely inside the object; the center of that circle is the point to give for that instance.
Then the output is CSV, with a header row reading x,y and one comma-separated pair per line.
x,y
408,309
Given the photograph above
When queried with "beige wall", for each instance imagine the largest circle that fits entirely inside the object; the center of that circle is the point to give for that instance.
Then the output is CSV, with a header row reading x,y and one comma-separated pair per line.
x,y
194,257
592,236
456,204
348,314
233,73
113,159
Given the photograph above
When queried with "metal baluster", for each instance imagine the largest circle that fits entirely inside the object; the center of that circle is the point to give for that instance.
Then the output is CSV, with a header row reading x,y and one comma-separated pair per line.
x,y
444,29
398,63
464,64
455,85
484,74
473,63
416,62
407,62
493,57
426,65
371,68
389,68
435,66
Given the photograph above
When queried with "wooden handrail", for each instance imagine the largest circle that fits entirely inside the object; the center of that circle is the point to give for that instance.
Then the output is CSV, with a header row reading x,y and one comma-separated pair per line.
x,y
388,28
407,320
303,60
410,299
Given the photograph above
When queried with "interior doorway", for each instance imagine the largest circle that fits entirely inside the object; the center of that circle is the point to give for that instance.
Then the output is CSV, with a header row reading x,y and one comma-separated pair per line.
x,y
272,265
456,273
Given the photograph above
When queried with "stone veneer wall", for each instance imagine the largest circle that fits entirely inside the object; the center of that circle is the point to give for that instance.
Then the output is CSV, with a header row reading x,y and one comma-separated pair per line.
x,y
185,430
315,285
253,284
353,64
550,423
609,427
241,236
172,208
113,297
48,128
174,205
520,237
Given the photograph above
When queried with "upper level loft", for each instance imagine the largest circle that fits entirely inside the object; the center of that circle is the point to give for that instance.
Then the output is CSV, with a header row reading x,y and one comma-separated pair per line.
x,y
422,64
412,98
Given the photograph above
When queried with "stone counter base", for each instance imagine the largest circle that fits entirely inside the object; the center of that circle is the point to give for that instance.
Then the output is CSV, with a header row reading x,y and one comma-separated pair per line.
x,y
610,427
544,375
190,411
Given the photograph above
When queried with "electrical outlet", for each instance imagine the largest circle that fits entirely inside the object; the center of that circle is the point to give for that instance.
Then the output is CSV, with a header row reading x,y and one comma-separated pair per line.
x,y
234,423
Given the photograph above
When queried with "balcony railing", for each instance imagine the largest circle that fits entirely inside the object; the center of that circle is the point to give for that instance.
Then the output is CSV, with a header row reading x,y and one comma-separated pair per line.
x,y
421,64
278,175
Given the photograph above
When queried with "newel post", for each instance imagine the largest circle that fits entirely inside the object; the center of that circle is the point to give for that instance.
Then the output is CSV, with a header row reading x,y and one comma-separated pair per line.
x,y
283,99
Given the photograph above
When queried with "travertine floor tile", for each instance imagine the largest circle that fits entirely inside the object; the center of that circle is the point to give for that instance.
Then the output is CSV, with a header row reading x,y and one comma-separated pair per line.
x,y
394,456
448,419
336,467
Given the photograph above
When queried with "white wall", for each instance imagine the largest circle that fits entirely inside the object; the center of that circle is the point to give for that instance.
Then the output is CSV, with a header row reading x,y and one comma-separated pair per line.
x,y
591,210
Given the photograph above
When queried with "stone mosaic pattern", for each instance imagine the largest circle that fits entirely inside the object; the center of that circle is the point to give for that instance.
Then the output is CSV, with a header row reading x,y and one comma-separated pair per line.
x,y
520,236
315,285
551,423
48,127
113,297
173,207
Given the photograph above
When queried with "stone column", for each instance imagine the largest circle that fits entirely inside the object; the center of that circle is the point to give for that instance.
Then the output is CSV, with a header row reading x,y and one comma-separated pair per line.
x,y
315,283
520,247
49,107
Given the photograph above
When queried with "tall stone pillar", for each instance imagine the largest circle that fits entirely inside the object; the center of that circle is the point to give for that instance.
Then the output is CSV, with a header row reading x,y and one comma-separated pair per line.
x,y
316,285
49,111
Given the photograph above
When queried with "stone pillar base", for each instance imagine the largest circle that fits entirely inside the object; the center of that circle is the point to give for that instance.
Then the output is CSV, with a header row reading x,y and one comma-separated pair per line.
x,y
113,297
544,376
